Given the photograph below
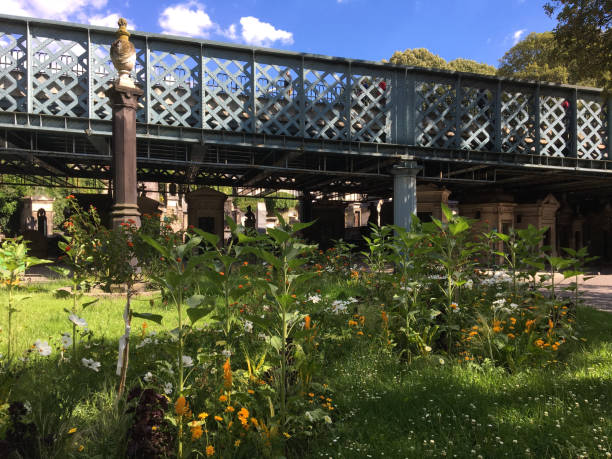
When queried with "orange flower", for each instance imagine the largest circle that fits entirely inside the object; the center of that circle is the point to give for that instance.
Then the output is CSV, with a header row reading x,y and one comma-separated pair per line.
x,y
181,407
385,319
196,432
227,374
352,323
210,450
243,416
528,325
539,343
307,322
223,398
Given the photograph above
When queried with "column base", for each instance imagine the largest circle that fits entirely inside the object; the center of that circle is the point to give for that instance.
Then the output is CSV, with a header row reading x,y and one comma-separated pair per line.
x,y
125,213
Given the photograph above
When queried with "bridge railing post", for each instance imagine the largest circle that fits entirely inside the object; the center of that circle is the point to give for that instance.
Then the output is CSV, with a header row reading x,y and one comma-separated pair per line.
x,y
608,139
497,118
573,124
536,109
457,113
29,73
403,113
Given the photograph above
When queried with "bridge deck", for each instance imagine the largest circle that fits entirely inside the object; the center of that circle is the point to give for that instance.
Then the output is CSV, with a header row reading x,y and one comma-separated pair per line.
x,y
276,110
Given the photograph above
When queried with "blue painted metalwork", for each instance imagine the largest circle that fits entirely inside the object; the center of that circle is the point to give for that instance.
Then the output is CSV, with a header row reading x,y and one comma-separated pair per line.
x,y
54,76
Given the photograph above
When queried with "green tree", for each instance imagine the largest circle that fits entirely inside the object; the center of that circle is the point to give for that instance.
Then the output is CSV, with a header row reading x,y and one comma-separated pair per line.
x,y
422,57
468,65
419,57
537,57
584,32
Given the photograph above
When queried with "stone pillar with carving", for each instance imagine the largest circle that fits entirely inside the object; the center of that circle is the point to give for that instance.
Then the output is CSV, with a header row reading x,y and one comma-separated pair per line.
x,y
124,101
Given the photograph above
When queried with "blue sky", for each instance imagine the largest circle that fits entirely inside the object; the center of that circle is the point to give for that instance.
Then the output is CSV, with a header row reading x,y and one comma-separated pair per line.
x,y
362,29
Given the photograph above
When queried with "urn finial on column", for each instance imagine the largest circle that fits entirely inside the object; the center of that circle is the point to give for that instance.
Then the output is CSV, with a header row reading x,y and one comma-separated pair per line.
x,y
123,55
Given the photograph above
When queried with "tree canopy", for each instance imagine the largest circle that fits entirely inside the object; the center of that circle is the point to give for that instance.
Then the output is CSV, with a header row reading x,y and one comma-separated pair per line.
x,y
537,57
584,32
422,57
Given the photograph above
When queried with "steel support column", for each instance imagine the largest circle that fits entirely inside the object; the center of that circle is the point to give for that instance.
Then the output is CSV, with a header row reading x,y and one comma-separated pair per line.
x,y
404,192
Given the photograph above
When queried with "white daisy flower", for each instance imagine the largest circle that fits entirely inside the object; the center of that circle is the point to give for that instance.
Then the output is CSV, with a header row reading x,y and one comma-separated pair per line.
x,y
42,347
78,321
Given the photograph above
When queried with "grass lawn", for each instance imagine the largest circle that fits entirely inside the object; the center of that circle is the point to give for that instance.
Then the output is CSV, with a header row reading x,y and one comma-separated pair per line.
x,y
383,407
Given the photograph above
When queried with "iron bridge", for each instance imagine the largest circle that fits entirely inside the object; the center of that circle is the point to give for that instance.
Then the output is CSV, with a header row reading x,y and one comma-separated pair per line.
x,y
215,113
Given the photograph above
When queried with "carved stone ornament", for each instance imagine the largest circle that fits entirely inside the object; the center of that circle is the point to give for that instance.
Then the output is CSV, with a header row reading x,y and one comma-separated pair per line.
x,y
123,55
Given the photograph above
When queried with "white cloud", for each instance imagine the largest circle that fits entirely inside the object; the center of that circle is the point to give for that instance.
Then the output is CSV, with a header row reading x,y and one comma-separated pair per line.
x,y
62,10
516,36
187,19
110,20
255,32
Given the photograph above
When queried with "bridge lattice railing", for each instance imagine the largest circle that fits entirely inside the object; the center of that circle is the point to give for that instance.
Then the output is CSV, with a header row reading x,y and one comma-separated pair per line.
x,y
59,70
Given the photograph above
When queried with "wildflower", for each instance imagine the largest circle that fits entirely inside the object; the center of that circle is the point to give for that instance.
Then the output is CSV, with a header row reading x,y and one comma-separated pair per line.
x,y
196,432
227,374
81,448
454,306
427,348
352,323
385,319
91,364
512,320
187,361
148,377
248,326
511,336
237,443
254,422
307,322
226,353
78,321
168,388
314,299
230,409
528,325
221,273
251,391
130,244
42,347
71,431
497,326
473,333
203,415
539,343
359,333
181,407
223,398
218,418
210,450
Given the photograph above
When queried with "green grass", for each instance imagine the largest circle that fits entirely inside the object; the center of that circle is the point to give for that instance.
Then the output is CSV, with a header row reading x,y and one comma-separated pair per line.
x,y
383,407
42,316
435,409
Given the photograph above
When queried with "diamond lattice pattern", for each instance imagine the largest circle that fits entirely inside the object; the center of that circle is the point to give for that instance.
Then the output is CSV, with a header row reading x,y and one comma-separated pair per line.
x,y
554,126
227,95
326,104
59,76
591,130
13,75
518,122
370,107
276,102
435,123
176,98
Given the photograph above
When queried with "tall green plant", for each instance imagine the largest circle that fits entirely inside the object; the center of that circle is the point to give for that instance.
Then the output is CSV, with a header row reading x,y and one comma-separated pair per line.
x,y
14,262
286,258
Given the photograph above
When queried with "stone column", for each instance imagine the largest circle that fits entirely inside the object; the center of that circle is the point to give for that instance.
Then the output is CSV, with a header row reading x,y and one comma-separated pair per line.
x,y
124,101
404,192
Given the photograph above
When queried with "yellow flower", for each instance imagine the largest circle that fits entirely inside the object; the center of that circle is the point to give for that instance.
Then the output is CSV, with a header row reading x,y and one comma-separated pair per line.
x,y
81,448
539,342
222,398
218,418
237,443
286,435
210,450
243,416
73,430
254,422
229,409
352,323
203,415
154,428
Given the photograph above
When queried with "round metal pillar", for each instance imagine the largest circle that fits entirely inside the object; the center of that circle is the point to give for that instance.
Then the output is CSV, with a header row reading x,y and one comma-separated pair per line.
x,y
404,193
